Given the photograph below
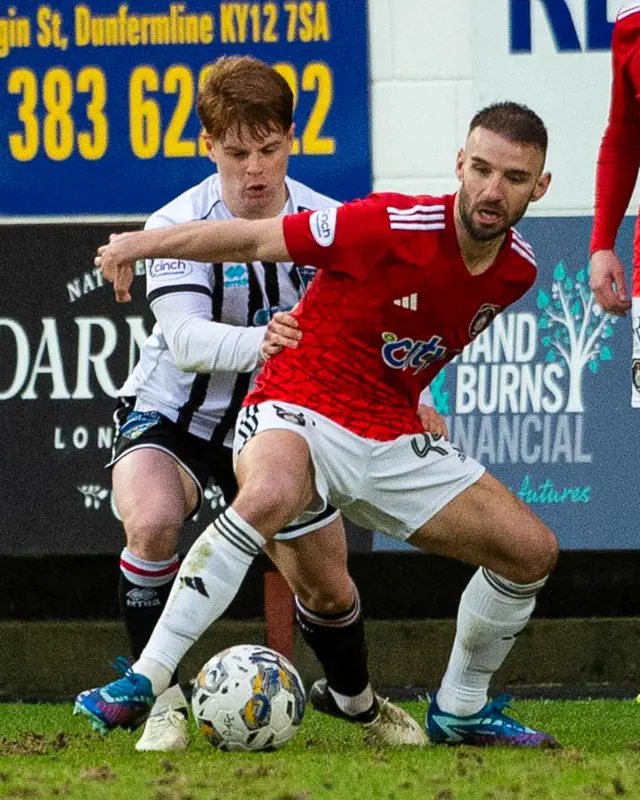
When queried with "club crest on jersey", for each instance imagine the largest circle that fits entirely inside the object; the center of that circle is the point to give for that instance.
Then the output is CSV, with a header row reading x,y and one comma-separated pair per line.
x,y
263,315
306,275
236,275
635,373
295,417
483,318
407,353
169,269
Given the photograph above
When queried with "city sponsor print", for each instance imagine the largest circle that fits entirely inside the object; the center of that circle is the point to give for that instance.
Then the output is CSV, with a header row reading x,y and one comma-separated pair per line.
x,y
541,398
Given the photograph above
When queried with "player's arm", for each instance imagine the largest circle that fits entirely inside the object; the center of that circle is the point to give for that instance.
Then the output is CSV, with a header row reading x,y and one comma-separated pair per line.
x,y
349,239
225,240
431,421
616,174
180,297
200,344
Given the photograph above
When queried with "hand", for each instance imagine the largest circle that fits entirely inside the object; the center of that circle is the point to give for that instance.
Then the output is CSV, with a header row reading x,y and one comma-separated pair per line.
x,y
432,422
282,331
607,282
117,265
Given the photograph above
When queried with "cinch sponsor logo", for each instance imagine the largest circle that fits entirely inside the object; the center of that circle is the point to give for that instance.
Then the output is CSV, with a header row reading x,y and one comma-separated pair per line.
x,y
407,353
323,226
236,275
562,25
169,269
518,394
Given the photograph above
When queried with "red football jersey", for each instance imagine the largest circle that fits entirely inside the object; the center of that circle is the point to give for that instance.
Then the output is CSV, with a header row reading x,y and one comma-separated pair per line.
x,y
392,303
619,156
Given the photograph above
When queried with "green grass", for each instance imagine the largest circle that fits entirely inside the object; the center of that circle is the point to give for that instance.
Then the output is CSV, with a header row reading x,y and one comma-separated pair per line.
x,y
47,753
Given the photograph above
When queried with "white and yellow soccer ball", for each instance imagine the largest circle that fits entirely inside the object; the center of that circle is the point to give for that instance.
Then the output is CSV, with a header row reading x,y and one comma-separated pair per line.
x,y
248,697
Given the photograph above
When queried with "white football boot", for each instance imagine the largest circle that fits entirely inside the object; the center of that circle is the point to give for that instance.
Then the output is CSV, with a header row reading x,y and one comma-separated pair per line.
x,y
393,727
167,729
385,724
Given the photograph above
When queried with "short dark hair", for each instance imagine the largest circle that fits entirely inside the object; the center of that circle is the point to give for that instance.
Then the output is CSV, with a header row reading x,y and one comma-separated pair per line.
x,y
515,122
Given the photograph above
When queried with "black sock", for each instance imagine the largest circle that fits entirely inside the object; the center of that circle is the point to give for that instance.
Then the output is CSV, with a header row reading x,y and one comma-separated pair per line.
x,y
338,640
140,609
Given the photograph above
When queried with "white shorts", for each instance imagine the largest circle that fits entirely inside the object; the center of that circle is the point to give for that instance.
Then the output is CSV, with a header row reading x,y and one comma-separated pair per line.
x,y
393,487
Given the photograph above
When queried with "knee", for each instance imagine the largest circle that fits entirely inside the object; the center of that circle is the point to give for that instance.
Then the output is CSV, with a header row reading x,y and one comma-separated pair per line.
x,y
271,502
542,557
152,537
327,599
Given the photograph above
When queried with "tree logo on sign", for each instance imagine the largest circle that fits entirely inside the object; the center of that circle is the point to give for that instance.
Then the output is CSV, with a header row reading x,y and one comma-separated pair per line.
x,y
574,329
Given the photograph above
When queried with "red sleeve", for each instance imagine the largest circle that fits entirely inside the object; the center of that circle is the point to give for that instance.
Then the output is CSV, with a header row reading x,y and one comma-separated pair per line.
x,y
619,156
523,269
351,239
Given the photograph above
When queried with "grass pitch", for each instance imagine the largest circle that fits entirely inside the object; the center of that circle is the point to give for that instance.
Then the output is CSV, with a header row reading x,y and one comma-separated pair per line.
x,y
47,753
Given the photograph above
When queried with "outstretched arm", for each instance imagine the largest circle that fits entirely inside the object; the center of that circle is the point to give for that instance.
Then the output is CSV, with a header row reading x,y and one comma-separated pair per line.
x,y
228,240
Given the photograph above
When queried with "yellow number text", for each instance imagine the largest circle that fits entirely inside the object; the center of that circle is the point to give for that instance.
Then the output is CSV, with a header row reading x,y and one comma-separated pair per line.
x,y
24,146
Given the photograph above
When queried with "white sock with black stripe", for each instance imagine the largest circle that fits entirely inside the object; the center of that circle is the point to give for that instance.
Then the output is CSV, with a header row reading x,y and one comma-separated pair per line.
x,y
492,612
207,582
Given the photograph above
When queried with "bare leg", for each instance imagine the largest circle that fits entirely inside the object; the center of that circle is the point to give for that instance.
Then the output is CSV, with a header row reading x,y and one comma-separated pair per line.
x,y
486,525
276,485
153,495
328,611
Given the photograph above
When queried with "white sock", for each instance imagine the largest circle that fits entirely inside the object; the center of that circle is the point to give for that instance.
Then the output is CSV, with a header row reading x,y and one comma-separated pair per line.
x,y
173,698
207,582
492,612
355,705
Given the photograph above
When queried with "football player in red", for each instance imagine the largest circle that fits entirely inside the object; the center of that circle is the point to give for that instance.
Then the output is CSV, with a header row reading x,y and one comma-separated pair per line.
x,y
177,410
404,284
617,172
616,176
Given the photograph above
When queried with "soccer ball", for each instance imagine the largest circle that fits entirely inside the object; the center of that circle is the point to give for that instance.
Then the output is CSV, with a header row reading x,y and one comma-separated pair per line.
x,y
248,698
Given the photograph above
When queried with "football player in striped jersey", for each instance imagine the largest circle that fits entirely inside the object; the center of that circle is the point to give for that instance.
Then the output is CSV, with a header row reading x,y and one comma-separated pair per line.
x,y
215,321
409,281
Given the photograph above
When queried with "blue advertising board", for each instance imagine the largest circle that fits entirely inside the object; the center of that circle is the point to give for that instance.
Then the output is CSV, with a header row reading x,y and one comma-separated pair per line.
x,y
542,398
98,98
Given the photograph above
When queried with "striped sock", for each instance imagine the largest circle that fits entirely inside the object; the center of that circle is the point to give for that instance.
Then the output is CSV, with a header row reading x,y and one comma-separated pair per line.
x,y
207,582
492,612
338,641
147,574
142,593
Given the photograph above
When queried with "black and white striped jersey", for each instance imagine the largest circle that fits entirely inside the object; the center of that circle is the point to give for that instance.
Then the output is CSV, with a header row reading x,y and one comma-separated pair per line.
x,y
197,365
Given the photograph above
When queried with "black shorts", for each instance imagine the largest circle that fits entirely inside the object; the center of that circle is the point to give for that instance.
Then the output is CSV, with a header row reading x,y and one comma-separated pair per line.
x,y
135,430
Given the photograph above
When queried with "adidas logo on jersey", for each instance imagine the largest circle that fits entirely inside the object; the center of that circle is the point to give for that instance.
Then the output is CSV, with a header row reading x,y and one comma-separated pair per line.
x,y
410,301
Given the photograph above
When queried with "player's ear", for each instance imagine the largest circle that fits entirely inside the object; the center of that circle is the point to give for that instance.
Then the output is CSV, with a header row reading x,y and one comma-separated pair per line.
x,y
291,135
208,143
459,164
542,184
